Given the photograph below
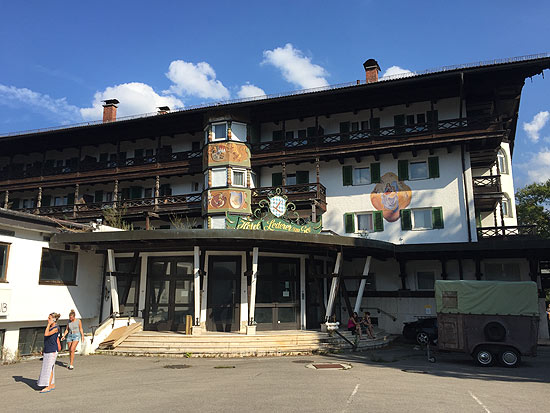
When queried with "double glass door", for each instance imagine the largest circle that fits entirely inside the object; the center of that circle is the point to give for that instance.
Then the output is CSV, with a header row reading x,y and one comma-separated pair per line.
x,y
224,293
277,294
169,293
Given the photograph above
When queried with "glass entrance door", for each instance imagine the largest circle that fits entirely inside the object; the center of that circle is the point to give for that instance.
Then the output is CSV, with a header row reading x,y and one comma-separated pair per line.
x,y
224,293
169,293
277,292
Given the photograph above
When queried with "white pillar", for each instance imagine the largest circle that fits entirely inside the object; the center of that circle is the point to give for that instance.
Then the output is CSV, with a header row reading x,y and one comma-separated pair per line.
x,y
197,285
204,293
243,313
142,287
252,304
115,306
303,293
362,285
333,287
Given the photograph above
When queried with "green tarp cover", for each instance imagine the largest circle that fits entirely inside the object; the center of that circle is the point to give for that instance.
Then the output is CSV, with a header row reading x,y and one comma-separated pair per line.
x,y
486,297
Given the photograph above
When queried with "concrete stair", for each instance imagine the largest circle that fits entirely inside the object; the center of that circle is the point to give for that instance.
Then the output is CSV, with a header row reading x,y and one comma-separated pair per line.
x,y
273,343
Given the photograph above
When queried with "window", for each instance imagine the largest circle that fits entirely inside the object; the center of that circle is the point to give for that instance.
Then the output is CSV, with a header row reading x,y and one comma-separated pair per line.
x,y
277,135
361,176
148,193
502,271
354,126
289,135
238,177
502,162
195,187
254,180
31,340
58,267
364,222
425,280
219,177
217,222
418,169
364,125
399,123
290,179
238,131
195,146
302,133
422,218
506,207
4,250
219,131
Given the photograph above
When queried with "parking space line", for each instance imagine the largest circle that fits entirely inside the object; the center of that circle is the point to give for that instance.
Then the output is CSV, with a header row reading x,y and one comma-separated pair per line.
x,y
353,394
479,401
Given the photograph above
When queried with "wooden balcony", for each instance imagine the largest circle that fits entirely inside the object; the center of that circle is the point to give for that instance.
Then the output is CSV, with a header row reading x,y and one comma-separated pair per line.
x,y
378,134
302,195
487,192
528,231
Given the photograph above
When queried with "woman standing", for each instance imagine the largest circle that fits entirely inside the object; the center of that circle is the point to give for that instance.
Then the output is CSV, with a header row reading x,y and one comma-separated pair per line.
x,y
51,343
74,334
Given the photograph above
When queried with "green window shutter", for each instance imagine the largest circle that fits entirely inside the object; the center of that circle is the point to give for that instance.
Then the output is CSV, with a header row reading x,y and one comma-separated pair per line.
x,y
347,175
276,179
70,198
378,221
403,169
437,217
406,222
374,173
302,177
433,167
349,223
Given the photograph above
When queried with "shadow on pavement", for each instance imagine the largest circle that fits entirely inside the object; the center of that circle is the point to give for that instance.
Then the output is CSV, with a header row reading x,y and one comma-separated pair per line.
x,y
29,382
404,357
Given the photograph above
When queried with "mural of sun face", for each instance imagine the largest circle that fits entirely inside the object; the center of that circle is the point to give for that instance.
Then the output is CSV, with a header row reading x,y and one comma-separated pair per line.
x,y
391,196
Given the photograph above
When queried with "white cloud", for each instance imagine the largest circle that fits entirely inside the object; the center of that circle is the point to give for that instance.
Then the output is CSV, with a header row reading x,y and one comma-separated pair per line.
x,y
195,80
534,127
538,168
396,70
250,91
295,67
135,98
59,108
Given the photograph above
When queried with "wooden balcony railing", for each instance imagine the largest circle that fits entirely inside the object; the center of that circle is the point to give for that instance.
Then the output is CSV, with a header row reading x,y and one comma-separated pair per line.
x,y
295,193
442,126
486,184
87,166
516,231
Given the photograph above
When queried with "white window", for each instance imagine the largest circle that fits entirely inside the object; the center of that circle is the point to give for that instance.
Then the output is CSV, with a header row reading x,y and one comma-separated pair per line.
x,y
238,177
195,186
418,170
361,176
502,162
422,219
425,280
254,180
291,179
219,131
238,131
217,222
219,177
502,272
364,222
506,207
206,179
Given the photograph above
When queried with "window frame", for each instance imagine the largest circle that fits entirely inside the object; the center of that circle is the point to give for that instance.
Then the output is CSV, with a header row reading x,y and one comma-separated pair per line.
x,y
214,137
4,268
507,210
368,230
58,282
354,181
213,170
413,226
503,169
238,171
425,162
432,272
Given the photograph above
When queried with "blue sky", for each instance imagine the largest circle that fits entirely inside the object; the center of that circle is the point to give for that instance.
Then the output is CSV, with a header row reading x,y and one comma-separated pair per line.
x,y
58,59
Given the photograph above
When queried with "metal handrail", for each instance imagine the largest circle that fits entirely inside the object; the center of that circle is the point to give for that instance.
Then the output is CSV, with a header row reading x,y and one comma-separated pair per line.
x,y
507,231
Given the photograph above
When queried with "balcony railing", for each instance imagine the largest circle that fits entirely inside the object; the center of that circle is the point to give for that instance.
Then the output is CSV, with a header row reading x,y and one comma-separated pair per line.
x,y
516,231
87,166
295,193
442,126
486,184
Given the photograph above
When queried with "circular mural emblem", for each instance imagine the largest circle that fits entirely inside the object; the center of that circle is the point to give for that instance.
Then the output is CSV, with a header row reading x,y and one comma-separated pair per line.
x,y
277,206
391,196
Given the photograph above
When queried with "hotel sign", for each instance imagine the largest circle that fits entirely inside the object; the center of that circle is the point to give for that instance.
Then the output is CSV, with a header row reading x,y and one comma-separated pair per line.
x,y
271,224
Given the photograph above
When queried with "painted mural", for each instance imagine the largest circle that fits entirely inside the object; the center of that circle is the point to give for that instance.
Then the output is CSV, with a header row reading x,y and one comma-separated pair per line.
x,y
391,196
224,153
228,200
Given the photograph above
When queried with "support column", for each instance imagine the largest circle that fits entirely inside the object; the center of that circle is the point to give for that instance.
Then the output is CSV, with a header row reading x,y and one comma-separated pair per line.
x,y
111,268
157,191
284,173
197,290
359,299
204,293
115,192
39,197
333,287
6,199
252,303
76,189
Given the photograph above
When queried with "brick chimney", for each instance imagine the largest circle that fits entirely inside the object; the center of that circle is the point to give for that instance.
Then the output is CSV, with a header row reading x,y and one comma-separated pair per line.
x,y
109,110
163,109
371,70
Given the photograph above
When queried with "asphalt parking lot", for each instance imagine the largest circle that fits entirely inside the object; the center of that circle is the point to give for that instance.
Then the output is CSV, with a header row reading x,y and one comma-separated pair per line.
x,y
394,379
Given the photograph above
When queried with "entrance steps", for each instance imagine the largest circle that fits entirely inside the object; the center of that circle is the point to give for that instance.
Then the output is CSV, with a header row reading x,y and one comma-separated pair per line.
x,y
273,343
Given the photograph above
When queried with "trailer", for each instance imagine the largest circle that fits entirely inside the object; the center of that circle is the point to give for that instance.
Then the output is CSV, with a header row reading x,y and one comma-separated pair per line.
x,y
490,320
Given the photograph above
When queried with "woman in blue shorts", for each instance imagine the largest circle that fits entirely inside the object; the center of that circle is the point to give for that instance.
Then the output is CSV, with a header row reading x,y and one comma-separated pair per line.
x,y
74,334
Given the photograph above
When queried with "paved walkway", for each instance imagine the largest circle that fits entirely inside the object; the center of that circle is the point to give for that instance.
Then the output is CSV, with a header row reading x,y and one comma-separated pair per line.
x,y
395,379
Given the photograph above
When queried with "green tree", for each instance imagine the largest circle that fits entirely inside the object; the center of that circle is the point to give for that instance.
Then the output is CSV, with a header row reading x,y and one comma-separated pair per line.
x,y
533,207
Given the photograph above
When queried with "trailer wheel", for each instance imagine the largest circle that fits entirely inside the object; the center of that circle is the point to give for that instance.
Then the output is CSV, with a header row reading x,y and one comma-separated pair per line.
x,y
422,338
509,357
484,357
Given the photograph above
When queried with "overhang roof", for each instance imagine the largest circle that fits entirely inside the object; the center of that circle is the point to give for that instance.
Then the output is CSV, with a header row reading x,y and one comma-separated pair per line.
x,y
23,220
